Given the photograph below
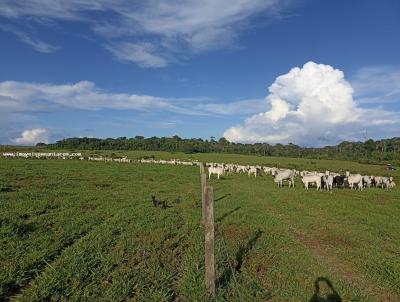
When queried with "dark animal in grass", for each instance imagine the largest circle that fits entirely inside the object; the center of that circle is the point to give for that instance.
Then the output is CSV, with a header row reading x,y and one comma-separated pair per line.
x,y
159,203
339,181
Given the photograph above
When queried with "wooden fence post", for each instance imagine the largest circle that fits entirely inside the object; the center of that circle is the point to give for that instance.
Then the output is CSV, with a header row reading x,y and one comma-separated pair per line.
x,y
209,241
203,182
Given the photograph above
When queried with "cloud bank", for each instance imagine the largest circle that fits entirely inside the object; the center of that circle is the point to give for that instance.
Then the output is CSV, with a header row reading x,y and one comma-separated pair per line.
x,y
149,33
313,106
84,95
21,105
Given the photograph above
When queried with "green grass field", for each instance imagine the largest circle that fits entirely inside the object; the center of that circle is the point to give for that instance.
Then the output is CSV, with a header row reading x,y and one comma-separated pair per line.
x,y
87,231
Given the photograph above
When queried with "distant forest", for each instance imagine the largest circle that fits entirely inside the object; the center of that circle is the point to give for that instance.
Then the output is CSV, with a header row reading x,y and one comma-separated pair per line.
x,y
370,151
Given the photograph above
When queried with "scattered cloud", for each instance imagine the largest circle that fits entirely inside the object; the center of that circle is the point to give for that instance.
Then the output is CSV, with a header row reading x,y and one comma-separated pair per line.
x,y
84,95
53,9
32,137
377,85
36,44
166,29
313,105
143,54
242,107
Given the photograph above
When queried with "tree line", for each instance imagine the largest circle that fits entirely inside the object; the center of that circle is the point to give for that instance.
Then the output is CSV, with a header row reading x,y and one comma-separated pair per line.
x,y
369,151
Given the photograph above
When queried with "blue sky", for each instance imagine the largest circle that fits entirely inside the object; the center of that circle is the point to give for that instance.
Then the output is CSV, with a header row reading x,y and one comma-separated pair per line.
x,y
308,72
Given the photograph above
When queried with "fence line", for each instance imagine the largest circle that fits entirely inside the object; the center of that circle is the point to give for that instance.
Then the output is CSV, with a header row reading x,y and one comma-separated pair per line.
x,y
209,241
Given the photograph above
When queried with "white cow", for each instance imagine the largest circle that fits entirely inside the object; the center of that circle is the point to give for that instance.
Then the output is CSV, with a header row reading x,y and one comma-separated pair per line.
x,y
328,180
377,180
215,170
354,179
267,170
282,175
311,178
241,169
386,182
230,168
367,181
380,181
274,171
252,170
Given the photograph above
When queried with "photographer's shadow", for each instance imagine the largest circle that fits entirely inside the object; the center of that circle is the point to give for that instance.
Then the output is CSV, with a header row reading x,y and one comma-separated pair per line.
x,y
324,291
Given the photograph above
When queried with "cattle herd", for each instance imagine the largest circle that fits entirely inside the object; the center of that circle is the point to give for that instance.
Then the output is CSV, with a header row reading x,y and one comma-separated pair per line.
x,y
322,180
326,180
64,155
42,155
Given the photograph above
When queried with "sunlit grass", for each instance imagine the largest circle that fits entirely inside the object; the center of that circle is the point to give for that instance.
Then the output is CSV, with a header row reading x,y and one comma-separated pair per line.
x,y
73,230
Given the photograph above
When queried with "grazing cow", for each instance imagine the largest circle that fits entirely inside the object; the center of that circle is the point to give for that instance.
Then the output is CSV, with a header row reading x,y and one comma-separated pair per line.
x,y
379,181
241,169
311,178
282,175
215,170
267,170
386,182
229,168
274,171
328,181
252,170
373,181
354,179
367,181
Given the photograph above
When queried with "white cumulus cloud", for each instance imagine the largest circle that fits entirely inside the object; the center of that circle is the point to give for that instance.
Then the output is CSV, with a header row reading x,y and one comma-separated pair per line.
x,y
312,105
32,137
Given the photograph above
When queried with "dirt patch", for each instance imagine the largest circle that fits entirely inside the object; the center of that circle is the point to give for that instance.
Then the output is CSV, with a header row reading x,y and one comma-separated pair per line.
x,y
236,233
88,207
323,239
103,185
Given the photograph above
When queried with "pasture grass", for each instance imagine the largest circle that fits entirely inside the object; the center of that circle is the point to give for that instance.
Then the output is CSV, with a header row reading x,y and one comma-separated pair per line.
x,y
73,231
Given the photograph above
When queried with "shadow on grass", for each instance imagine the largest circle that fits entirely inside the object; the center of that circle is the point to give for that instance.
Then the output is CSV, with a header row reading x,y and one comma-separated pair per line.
x,y
6,189
219,219
324,291
14,288
222,197
227,275
245,249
